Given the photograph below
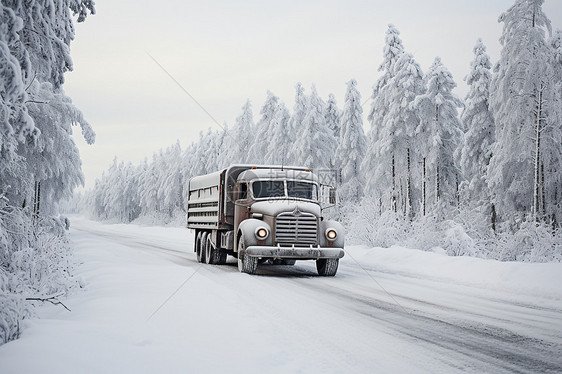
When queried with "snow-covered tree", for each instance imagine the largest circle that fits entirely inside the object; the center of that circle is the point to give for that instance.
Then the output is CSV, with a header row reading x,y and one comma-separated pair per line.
x,y
381,99
476,148
400,129
351,147
314,145
264,130
523,99
279,145
332,116
438,133
242,136
299,112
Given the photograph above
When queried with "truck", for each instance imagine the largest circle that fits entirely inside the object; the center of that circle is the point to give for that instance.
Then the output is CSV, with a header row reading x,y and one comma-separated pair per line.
x,y
263,214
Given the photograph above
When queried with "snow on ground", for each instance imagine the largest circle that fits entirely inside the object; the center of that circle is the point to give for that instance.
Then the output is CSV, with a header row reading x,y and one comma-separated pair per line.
x,y
148,306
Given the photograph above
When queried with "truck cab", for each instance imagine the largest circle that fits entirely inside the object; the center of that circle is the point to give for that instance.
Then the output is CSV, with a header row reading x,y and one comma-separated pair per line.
x,y
263,214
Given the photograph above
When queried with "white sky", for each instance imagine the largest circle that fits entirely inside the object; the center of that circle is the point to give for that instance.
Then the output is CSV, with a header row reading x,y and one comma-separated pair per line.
x,y
224,52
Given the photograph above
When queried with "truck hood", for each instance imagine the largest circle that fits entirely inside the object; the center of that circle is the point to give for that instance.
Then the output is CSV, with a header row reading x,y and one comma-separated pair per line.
x,y
274,207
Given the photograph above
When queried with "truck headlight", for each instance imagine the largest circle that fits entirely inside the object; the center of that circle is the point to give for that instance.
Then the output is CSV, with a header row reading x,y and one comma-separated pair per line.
x,y
331,234
262,233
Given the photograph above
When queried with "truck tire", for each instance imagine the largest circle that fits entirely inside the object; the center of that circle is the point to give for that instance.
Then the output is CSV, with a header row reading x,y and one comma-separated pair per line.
x,y
222,257
246,264
209,251
327,267
202,248
198,246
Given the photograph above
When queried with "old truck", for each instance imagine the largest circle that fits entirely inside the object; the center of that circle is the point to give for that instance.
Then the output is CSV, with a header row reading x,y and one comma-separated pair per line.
x,y
262,214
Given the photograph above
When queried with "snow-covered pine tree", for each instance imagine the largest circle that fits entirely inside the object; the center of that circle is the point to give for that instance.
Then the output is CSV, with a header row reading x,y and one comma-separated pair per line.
x,y
314,145
279,145
438,135
523,100
299,112
475,149
402,121
224,142
351,147
171,187
242,136
378,184
332,116
264,130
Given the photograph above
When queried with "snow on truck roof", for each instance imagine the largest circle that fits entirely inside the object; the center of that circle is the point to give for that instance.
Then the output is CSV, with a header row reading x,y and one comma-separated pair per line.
x,y
247,172
273,173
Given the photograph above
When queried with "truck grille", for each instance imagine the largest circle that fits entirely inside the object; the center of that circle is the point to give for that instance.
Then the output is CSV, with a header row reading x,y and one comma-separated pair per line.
x,y
299,229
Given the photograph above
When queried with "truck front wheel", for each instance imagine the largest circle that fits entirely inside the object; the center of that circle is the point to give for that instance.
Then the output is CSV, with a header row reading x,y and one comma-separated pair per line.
x,y
327,267
246,264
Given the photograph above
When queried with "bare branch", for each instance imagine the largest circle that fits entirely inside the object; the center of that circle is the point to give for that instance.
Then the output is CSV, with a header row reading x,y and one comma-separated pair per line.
x,y
53,300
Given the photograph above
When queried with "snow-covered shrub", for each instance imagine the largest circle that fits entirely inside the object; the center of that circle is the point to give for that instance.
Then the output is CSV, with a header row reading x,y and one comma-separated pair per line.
x,y
531,243
455,241
366,226
35,262
12,310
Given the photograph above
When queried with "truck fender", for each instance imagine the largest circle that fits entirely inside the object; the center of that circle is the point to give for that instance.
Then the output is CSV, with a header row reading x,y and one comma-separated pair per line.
x,y
248,228
329,224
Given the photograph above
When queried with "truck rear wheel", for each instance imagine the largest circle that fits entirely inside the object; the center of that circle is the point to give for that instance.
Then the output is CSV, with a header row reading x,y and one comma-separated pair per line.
x,y
222,257
246,264
202,248
327,267
209,251
198,246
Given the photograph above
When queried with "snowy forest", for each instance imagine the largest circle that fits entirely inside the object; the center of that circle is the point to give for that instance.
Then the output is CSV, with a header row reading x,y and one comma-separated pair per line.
x,y
480,176
39,161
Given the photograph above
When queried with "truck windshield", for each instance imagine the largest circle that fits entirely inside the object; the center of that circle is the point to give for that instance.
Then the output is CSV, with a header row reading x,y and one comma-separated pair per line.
x,y
302,190
265,189
299,190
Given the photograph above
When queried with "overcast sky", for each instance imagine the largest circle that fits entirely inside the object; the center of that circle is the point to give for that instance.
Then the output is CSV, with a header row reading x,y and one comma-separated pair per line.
x,y
225,52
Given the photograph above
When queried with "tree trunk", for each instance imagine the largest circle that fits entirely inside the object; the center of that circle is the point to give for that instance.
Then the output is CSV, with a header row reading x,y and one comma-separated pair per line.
x,y
536,182
37,199
437,186
424,186
409,189
393,198
493,217
543,193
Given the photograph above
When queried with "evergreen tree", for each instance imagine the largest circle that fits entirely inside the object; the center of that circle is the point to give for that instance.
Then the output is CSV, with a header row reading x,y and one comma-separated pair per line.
x,y
299,112
332,116
476,148
400,128
315,145
352,144
242,136
264,129
279,146
523,99
439,133
381,100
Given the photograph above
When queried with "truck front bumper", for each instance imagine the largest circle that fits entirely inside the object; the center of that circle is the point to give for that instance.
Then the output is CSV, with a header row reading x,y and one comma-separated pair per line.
x,y
297,253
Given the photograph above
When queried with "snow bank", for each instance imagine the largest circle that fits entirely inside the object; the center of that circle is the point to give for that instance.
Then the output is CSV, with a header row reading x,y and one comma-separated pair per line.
x,y
514,277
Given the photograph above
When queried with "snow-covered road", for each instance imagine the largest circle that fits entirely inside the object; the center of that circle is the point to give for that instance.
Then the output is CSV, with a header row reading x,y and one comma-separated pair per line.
x,y
150,307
